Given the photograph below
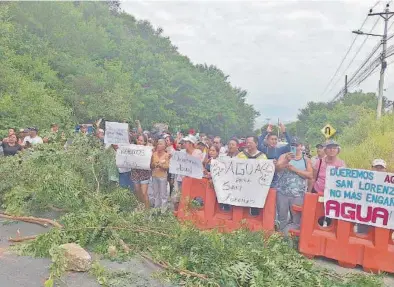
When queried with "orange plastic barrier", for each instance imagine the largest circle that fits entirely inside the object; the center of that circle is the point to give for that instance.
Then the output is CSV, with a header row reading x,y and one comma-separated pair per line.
x,y
373,250
223,217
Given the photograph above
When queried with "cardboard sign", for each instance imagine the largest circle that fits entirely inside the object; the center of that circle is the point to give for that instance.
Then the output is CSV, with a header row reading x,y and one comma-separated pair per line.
x,y
134,156
116,133
242,182
361,196
183,164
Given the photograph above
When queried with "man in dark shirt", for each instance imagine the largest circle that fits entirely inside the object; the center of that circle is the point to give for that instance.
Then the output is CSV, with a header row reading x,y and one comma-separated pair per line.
x,y
11,147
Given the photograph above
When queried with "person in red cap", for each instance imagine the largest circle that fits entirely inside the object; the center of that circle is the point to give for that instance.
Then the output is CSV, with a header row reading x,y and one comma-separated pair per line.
x,y
192,132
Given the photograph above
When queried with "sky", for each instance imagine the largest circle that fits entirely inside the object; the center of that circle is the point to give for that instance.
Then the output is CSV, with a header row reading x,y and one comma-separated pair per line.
x,y
284,53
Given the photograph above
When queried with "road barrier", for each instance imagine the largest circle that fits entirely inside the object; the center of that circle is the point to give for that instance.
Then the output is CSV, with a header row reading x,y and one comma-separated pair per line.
x,y
338,239
198,203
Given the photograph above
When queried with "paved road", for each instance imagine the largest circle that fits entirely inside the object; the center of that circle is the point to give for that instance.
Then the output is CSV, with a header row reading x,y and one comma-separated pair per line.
x,y
22,271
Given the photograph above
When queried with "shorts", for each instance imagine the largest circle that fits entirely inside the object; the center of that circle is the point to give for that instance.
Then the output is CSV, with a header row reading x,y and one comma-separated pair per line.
x,y
145,181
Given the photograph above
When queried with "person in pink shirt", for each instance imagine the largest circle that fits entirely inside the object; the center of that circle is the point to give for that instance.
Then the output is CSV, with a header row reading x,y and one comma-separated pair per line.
x,y
331,149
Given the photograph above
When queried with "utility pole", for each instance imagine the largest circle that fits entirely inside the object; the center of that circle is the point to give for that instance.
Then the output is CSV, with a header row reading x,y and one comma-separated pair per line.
x,y
386,18
386,15
345,90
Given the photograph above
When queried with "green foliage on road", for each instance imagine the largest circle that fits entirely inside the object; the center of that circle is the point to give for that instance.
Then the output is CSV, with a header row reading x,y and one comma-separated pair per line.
x,y
80,61
99,215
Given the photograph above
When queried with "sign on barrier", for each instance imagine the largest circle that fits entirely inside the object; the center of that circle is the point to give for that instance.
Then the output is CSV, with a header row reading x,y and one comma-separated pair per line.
x,y
183,164
242,182
116,133
361,196
134,156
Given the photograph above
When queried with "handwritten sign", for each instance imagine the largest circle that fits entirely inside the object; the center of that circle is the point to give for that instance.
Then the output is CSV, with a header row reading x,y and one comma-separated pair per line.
x,y
134,156
183,164
242,182
116,133
360,196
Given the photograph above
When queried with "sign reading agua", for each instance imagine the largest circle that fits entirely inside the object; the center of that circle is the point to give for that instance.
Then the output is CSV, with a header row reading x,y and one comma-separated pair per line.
x,y
116,133
242,182
183,164
360,196
134,156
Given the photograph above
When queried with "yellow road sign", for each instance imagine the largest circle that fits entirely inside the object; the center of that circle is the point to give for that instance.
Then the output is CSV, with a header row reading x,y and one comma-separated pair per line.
x,y
328,131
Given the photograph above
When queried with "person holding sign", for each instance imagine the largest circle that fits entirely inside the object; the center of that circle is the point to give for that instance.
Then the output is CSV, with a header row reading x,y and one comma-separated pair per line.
x,y
160,164
251,152
294,170
213,153
233,150
141,177
377,165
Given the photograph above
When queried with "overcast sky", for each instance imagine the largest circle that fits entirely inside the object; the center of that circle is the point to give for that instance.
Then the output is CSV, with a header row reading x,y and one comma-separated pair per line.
x,y
282,52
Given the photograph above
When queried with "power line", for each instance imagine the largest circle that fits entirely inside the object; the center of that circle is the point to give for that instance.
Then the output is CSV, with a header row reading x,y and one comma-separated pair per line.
x,y
358,70
347,53
354,57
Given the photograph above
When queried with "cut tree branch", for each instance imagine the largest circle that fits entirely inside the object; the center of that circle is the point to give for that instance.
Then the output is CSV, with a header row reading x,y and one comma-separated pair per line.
x,y
20,239
31,219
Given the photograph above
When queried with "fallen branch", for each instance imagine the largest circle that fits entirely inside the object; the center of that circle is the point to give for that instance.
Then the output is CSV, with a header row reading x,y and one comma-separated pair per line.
x,y
31,219
20,239
131,228
183,272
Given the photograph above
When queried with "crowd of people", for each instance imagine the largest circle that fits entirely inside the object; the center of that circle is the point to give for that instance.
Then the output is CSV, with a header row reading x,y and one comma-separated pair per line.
x,y
296,171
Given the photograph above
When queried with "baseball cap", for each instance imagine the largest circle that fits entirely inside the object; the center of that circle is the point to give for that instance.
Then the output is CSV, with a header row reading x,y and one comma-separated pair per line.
x,y
295,141
190,138
33,129
330,143
319,145
202,143
380,162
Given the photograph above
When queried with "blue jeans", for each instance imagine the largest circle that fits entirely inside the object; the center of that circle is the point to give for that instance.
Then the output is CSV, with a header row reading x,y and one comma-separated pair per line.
x,y
125,180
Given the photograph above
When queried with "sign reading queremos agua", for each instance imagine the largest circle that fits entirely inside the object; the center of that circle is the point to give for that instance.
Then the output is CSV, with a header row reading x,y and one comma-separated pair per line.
x,y
361,196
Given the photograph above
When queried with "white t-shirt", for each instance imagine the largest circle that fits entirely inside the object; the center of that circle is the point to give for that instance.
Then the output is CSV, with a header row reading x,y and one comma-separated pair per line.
x,y
33,141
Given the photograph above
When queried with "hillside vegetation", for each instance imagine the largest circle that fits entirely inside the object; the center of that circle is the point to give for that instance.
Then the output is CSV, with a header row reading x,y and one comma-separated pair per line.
x,y
79,61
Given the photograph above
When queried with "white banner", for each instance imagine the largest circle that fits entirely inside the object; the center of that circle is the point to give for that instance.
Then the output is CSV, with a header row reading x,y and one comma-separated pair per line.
x,y
242,182
361,196
183,164
116,133
134,156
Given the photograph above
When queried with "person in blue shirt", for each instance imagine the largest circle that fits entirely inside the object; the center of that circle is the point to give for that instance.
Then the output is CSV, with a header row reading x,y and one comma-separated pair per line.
x,y
270,145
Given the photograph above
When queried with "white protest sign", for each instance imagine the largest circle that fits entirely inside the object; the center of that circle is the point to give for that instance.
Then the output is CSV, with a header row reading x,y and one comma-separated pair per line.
x,y
242,182
183,164
134,156
116,133
360,196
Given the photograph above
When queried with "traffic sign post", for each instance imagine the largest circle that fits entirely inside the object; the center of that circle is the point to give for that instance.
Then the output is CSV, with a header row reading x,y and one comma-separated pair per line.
x,y
328,131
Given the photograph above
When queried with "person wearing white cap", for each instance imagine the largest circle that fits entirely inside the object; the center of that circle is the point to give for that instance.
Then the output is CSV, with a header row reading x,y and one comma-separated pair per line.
x,y
377,165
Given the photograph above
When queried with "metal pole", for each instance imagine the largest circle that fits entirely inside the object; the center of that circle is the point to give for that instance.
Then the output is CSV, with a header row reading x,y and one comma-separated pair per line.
x,y
384,64
345,85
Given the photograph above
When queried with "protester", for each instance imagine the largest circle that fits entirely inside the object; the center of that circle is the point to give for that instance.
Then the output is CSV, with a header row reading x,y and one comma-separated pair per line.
x,y
213,153
22,134
11,131
380,166
100,135
319,154
294,170
124,174
233,148
170,149
11,147
159,164
141,177
83,129
269,147
251,151
217,141
32,138
331,149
